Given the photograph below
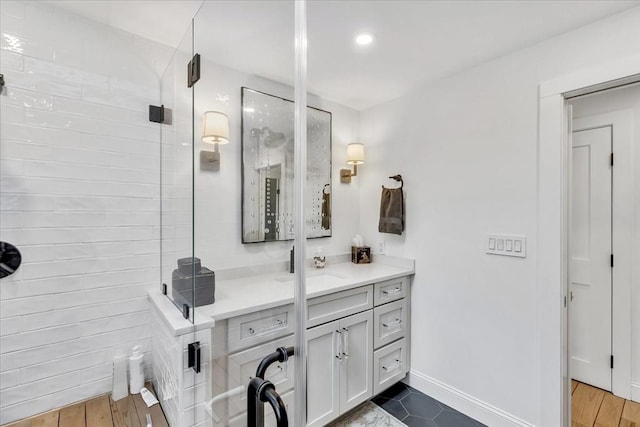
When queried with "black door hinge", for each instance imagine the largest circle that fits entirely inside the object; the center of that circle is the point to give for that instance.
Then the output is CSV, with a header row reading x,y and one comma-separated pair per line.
x,y
193,70
156,114
612,361
611,260
185,311
1,81
611,159
164,289
194,356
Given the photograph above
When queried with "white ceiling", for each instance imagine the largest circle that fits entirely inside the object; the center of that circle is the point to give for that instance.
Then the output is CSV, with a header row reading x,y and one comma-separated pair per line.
x,y
416,41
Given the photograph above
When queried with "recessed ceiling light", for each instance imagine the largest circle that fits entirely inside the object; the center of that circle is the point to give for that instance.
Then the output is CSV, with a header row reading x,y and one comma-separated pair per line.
x,y
364,38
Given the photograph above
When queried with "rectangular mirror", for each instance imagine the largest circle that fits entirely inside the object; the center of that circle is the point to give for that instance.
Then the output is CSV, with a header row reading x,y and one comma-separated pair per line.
x,y
267,169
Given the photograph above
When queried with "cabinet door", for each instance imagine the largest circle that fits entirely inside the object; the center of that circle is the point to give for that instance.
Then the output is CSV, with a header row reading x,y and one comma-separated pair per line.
x,y
323,352
356,382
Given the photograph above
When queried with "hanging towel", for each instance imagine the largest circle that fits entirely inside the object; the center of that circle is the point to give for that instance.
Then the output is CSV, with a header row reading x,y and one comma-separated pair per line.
x,y
391,211
326,210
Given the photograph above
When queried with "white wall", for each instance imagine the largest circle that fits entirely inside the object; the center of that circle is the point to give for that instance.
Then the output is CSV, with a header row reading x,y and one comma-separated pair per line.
x,y
467,148
218,209
79,197
625,98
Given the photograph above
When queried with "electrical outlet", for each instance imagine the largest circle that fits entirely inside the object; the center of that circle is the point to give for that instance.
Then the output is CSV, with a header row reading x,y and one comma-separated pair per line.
x,y
380,247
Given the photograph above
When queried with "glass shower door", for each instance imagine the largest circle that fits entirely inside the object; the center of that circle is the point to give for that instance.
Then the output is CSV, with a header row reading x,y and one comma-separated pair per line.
x,y
180,269
177,264
246,187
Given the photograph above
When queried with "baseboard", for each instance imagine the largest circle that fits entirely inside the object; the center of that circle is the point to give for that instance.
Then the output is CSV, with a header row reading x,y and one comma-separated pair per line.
x,y
635,392
460,401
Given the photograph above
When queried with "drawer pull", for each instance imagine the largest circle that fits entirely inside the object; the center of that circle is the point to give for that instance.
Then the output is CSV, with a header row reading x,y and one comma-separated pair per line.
x,y
277,325
339,354
392,292
394,323
397,365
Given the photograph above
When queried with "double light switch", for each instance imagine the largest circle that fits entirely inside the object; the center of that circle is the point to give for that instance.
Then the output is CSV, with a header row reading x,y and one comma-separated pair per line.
x,y
498,244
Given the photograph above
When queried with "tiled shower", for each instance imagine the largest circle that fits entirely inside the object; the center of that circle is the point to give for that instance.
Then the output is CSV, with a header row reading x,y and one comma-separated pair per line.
x,y
80,195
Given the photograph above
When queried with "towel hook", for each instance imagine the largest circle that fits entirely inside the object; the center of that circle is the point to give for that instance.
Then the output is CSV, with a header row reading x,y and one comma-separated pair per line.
x,y
398,178
325,187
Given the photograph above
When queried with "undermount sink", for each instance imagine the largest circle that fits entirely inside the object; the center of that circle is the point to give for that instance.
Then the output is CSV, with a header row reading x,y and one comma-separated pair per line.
x,y
312,275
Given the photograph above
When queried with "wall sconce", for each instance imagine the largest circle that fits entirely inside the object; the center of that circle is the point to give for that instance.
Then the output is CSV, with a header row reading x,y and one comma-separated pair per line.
x,y
355,157
215,130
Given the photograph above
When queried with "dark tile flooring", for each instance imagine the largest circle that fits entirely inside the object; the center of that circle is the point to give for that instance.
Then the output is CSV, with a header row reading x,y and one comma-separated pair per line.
x,y
417,409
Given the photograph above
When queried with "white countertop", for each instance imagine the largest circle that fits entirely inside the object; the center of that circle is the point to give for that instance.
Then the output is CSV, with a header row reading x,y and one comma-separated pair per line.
x,y
172,315
238,296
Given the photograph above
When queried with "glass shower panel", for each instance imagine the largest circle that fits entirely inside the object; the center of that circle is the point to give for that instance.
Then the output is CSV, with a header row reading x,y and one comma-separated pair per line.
x,y
177,263
244,164
180,270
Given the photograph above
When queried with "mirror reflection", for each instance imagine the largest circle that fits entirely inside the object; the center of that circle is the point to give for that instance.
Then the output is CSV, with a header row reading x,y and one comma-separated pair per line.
x,y
267,169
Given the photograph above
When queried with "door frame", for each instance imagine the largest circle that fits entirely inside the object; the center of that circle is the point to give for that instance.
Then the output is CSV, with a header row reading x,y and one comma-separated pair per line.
x,y
553,167
622,199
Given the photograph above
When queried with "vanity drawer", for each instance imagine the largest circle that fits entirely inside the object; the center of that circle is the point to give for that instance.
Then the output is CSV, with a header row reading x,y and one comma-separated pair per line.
x,y
242,367
389,322
256,328
337,305
389,365
269,417
391,290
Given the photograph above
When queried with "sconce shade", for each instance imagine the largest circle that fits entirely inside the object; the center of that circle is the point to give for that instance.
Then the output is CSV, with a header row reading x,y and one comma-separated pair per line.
x,y
215,128
355,154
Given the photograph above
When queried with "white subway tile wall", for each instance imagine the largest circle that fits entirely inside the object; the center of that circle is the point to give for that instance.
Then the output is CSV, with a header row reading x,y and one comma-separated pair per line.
x,y
79,196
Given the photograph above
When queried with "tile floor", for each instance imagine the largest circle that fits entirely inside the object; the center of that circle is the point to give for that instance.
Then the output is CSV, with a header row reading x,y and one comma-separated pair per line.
x,y
414,408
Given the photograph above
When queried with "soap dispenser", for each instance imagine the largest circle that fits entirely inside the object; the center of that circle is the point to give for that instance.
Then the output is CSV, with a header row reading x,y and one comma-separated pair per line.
x,y
136,370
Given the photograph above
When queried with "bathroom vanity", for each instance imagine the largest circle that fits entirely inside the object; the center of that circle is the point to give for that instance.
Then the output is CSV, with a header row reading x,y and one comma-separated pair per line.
x,y
357,335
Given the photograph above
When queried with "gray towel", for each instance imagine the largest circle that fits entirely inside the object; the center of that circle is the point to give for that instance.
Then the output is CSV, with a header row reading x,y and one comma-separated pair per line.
x,y
391,211
326,211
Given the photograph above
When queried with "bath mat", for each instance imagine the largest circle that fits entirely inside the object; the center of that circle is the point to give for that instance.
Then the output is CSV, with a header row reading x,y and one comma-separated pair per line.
x,y
367,415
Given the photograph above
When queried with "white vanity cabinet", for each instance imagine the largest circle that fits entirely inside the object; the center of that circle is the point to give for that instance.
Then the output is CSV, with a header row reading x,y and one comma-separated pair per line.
x,y
340,360
355,356
357,343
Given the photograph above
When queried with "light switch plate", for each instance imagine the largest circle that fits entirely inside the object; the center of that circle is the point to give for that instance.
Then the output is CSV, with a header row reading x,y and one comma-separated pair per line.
x,y
506,244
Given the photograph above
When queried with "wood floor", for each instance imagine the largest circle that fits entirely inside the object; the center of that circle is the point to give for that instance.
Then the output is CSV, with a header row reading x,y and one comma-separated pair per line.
x,y
593,407
100,412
